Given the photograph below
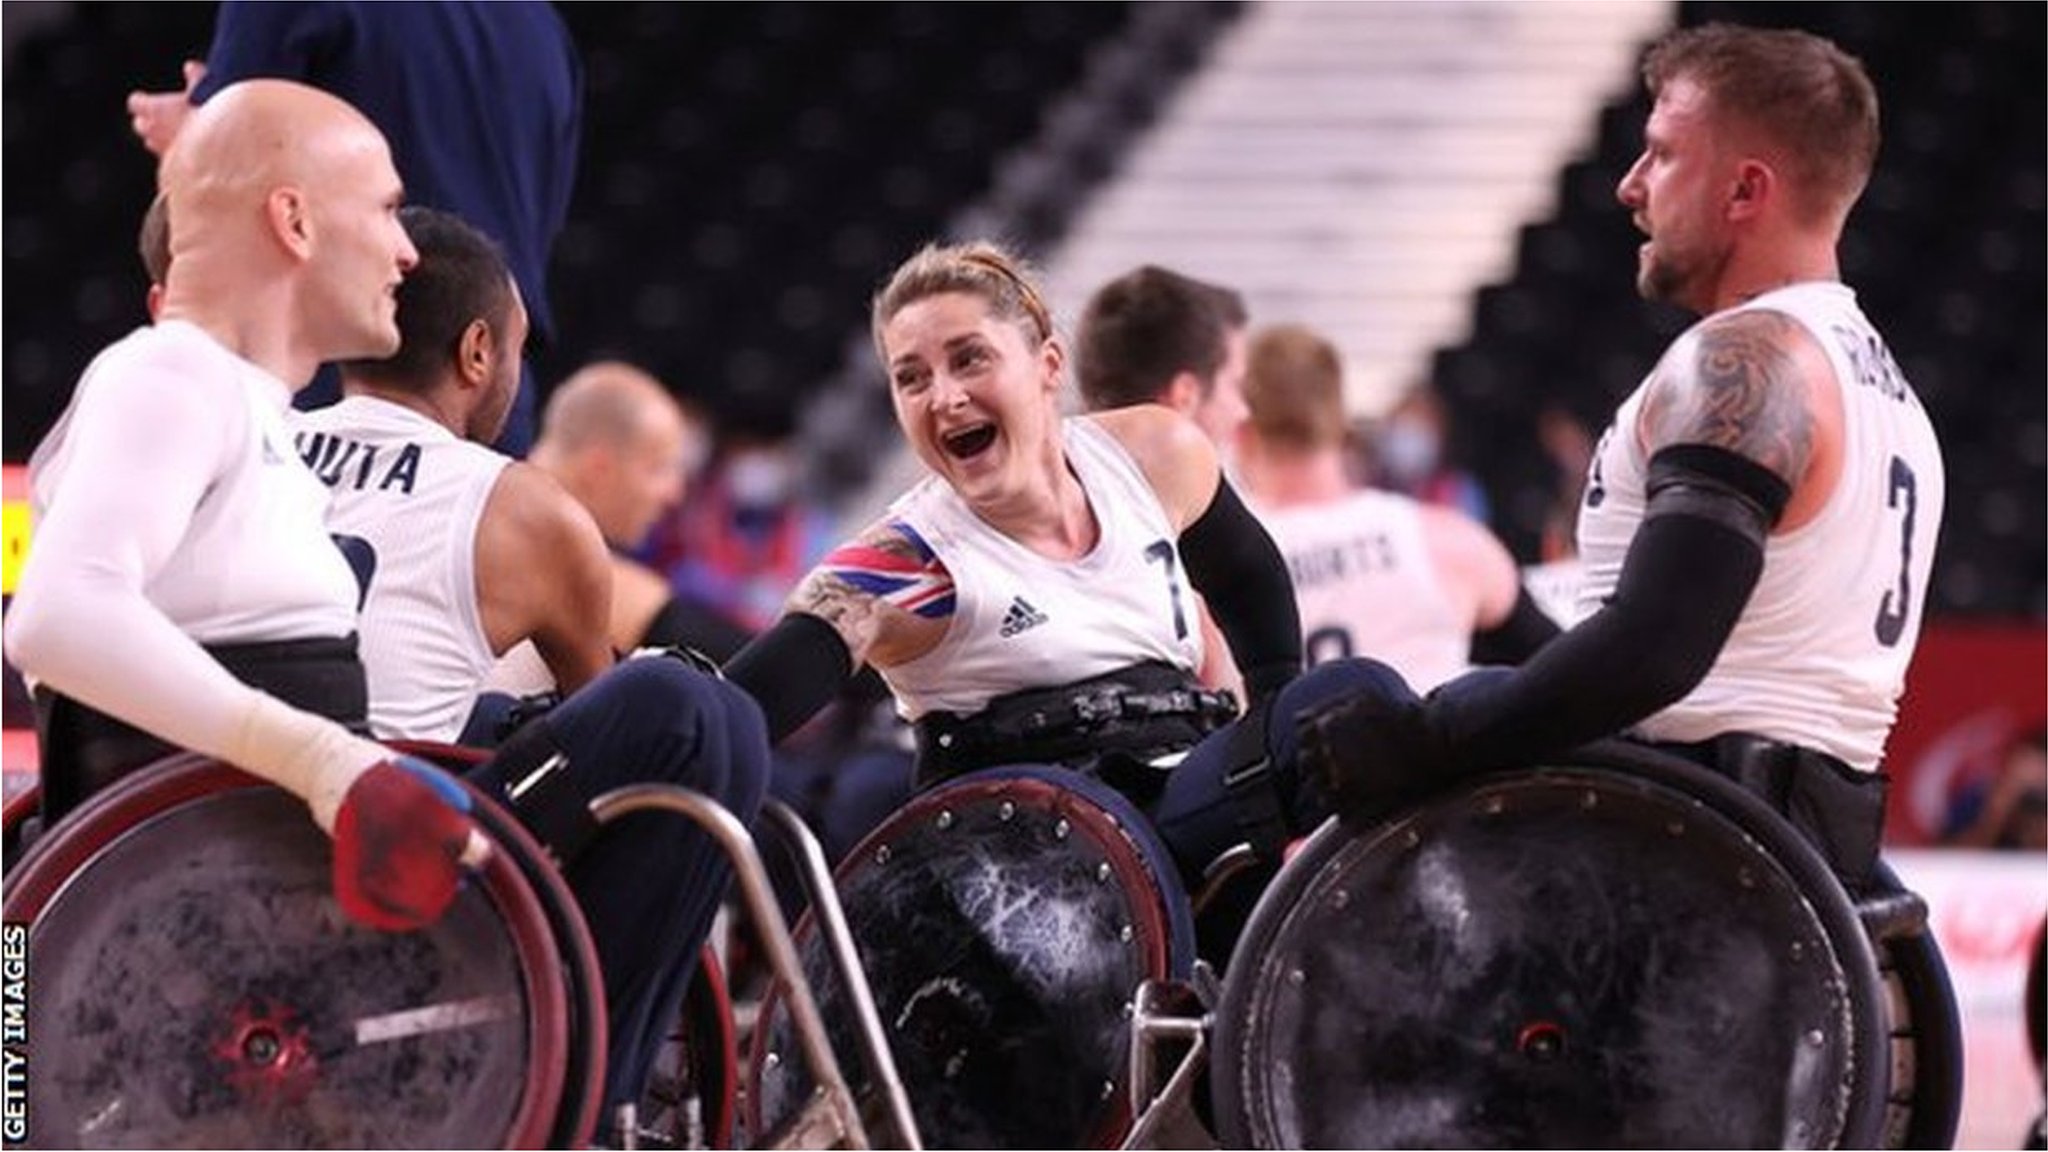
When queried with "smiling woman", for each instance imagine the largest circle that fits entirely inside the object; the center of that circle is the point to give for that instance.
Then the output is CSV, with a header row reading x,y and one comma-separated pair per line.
x,y
1031,604
1044,559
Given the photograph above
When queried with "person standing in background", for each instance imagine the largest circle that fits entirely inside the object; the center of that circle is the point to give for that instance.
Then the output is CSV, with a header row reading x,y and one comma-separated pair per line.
x,y
482,104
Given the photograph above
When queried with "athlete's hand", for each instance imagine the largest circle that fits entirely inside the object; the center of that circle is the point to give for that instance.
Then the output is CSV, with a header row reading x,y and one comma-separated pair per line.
x,y
1372,753
402,839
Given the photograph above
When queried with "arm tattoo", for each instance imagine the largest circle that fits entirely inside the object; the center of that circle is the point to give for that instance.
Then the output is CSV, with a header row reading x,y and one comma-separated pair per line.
x,y
894,564
890,564
1738,387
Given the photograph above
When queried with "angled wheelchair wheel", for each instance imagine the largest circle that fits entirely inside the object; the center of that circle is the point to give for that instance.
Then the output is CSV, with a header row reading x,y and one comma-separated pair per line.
x,y
194,984
691,1093
1925,1099
1628,951
582,976
1004,921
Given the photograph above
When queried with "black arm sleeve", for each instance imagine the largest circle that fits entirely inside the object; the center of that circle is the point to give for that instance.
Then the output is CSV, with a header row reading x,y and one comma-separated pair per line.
x,y
1237,568
692,625
1688,573
1516,638
792,670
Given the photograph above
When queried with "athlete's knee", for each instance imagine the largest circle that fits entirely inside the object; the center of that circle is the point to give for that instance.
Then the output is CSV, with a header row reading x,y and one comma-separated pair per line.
x,y
1351,675
748,765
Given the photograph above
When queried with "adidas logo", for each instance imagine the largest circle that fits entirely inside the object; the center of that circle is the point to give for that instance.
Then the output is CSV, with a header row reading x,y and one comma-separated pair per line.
x,y
1020,617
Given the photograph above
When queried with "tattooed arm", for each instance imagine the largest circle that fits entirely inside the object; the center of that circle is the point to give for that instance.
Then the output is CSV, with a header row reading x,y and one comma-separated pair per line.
x,y
880,599
1740,415
1755,384
885,593
1729,430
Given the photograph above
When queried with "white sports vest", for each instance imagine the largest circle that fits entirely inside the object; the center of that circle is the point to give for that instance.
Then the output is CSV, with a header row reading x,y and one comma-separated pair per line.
x,y
1366,586
1819,655
412,493
1024,621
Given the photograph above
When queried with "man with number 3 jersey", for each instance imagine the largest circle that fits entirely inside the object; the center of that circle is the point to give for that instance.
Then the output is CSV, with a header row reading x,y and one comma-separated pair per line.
x,y
1760,519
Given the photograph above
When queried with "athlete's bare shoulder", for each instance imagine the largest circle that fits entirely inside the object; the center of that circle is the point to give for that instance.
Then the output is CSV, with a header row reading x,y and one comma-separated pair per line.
x,y
1739,381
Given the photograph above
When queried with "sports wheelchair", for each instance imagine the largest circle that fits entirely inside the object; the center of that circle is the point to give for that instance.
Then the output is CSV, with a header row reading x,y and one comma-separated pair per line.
x,y
191,983
1620,949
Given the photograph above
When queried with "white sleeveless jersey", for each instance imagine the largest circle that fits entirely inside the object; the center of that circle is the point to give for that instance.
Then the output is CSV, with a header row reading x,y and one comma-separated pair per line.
x,y
1819,655
1366,586
1022,620
408,496
254,564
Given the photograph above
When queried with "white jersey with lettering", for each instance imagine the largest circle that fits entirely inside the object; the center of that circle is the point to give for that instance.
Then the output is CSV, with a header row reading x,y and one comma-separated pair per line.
x,y
1819,654
408,496
1366,585
1022,620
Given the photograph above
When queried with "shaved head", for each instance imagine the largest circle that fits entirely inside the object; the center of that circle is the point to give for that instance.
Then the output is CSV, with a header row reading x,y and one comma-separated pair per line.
x,y
282,204
619,441
248,140
605,403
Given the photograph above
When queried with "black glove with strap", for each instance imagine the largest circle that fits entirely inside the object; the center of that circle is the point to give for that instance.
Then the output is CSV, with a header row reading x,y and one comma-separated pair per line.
x,y
1373,752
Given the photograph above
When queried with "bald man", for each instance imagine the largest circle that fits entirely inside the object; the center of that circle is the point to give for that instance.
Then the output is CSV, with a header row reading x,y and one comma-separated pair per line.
x,y
618,441
183,591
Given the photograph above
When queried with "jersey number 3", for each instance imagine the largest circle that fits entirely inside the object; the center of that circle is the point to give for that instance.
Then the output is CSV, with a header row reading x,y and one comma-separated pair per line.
x,y
1891,611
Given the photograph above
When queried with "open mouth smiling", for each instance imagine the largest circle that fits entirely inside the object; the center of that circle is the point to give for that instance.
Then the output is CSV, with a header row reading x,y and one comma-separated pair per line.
x,y
967,443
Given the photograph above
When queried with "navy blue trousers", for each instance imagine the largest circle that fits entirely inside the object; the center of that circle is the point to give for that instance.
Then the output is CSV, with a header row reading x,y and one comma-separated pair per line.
x,y
1198,818
650,884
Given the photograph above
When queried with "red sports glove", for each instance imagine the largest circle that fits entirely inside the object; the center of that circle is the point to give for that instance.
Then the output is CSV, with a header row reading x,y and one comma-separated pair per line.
x,y
401,839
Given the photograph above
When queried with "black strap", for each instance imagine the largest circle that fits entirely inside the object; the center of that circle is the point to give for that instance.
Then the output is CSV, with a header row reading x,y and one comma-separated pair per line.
x,y
1145,711
530,772
1253,788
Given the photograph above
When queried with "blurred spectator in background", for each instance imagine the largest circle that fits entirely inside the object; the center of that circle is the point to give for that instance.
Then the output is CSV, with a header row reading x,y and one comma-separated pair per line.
x,y
746,533
2007,808
1557,577
1410,456
1425,589
482,104
1570,448
624,447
